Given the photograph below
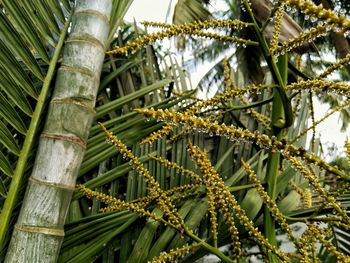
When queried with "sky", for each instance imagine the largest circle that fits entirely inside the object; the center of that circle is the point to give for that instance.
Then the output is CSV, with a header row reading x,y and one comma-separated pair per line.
x,y
150,10
156,10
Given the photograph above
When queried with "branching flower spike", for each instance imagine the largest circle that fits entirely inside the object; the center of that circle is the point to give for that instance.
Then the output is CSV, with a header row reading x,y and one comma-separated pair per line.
x,y
185,29
155,191
238,134
222,193
319,12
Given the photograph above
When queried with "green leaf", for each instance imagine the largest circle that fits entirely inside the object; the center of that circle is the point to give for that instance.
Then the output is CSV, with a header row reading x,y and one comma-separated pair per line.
x,y
193,211
93,248
21,21
283,180
107,79
15,42
55,7
11,67
289,203
5,165
46,12
3,190
342,241
104,109
252,203
189,11
145,239
11,116
119,9
36,17
66,4
92,227
7,139
15,94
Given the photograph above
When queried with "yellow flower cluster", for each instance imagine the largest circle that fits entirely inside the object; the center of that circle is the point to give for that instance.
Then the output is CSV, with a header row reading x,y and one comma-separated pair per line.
x,y
176,30
238,134
343,187
212,206
117,204
277,30
224,97
341,225
296,188
313,247
215,187
164,131
175,193
212,117
339,191
313,180
320,85
230,87
199,25
179,135
329,245
262,119
174,254
298,41
180,189
183,192
271,204
223,38
181,95
230,221
312,114
100,196
212,212
154,189
217,115
178,168
304,193
225,200
347,149
307,198
305,241
227,75
335,66
319,12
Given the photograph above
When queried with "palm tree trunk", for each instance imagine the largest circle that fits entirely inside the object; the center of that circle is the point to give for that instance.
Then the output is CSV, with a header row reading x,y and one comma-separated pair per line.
x,y
39,230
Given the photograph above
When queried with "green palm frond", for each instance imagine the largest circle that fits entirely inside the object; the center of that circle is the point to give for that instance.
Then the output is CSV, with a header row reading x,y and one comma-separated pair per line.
x,y
189,11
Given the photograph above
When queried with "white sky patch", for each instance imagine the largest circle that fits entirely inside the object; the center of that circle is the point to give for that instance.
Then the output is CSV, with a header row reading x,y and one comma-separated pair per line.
x,y
149,10
329,130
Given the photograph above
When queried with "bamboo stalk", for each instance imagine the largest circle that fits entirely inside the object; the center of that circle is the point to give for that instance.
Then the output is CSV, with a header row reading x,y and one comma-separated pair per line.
x,y
16,182
39,230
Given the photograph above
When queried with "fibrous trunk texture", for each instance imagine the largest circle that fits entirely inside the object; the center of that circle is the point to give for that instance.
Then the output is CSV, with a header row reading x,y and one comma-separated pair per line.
x,y
39,230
